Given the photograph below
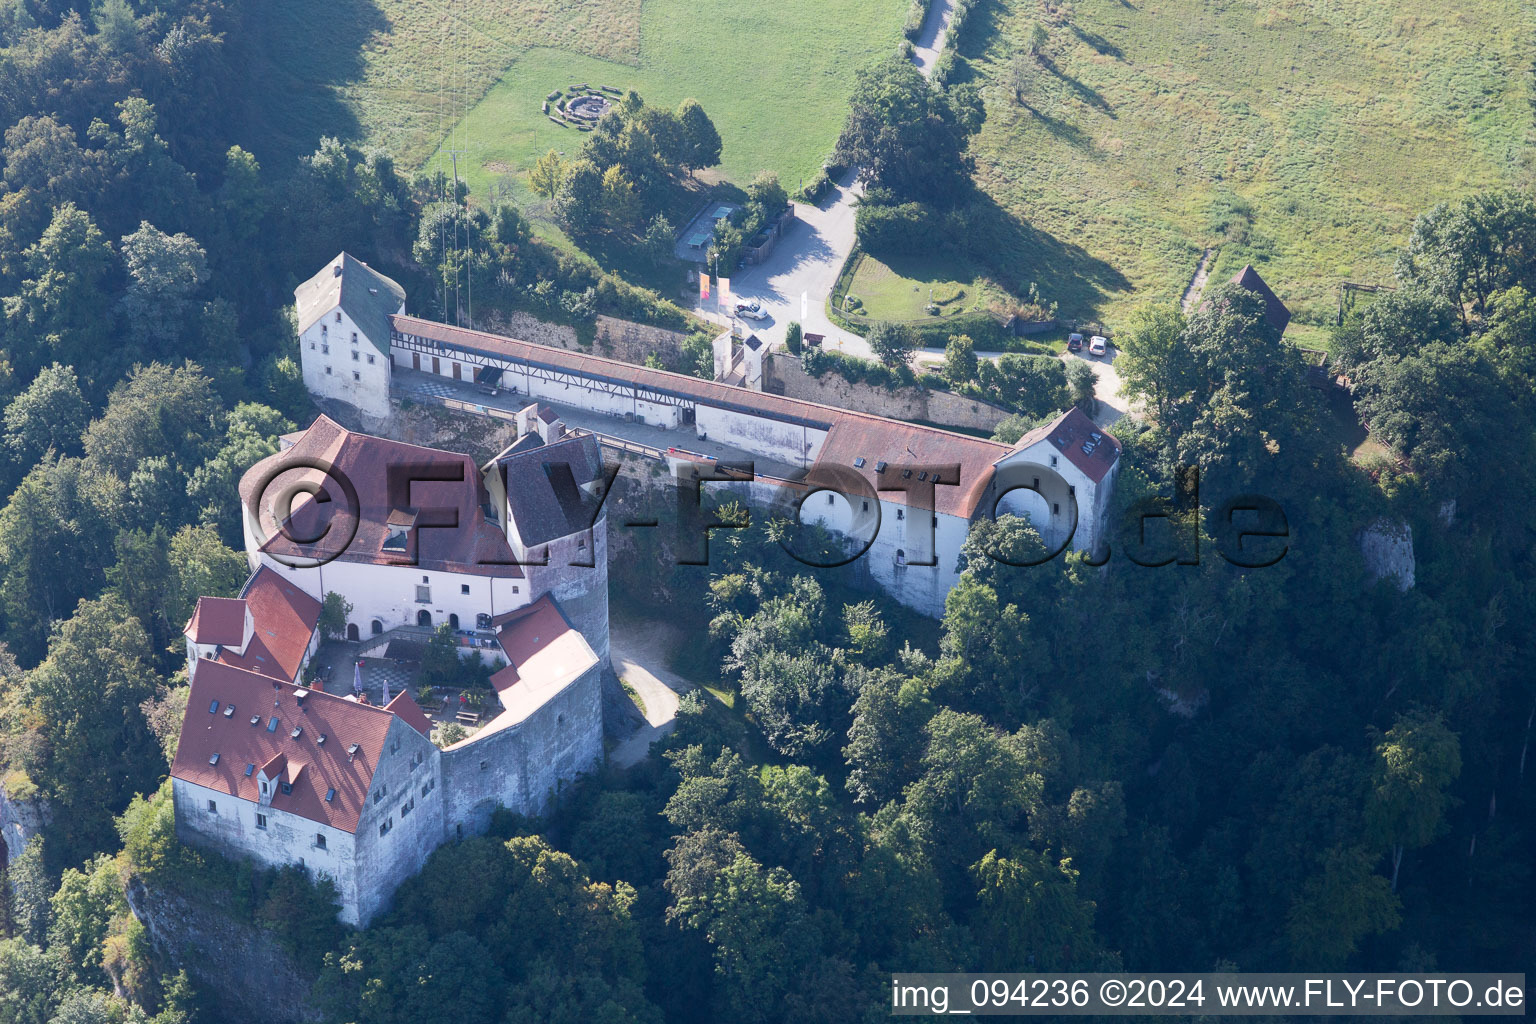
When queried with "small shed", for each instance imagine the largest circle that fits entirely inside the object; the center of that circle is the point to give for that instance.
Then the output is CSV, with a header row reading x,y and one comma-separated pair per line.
x,y
1274,310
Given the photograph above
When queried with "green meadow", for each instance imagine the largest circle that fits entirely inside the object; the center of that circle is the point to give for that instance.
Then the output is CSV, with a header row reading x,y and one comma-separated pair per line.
x,y
1301,136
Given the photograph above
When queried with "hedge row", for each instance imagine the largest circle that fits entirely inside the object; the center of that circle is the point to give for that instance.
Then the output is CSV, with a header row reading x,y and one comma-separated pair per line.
x,y
916,15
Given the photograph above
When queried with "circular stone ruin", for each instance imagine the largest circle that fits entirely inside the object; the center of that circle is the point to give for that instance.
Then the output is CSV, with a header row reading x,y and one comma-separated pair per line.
x,y
587,108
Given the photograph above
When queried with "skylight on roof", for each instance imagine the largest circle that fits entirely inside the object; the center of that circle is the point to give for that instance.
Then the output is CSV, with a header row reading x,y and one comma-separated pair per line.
x,y
330,794
249,768
880,466
214,759
858,463
272,725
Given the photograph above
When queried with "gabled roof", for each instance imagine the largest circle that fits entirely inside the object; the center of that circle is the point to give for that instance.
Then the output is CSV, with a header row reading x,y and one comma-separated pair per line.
x,y
410,713
217,620
544,653
850,434
284,617
1274,310
367,297
1086,445
386,477
872,441
544,486
310,766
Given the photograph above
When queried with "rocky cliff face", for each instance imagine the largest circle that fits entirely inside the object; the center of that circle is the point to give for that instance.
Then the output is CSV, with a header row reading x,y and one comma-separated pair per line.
x,y
1387,547
239,965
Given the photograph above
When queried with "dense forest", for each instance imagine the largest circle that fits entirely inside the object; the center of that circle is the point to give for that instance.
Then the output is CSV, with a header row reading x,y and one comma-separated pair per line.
x,y
1168,762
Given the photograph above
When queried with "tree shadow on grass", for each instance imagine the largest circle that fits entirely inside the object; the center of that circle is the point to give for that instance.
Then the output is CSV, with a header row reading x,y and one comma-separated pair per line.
x,y
295,74
1061,128
1017,254
1087,93
1098,42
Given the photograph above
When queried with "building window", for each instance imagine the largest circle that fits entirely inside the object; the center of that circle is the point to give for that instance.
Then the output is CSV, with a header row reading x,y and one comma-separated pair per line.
x,y
423,595
901,556
428,786
866,505
514,588
261,821
354,355
323,329
1037,483
1055,508
901,513
1071,490
831,500
338,316
327,371
354,337
463,588
311,346
1053,462
405,808
385,826
319,840
581,545
370,360
356,375
213,808
326,349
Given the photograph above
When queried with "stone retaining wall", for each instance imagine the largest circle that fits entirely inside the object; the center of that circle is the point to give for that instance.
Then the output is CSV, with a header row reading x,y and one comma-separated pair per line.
x,y
783,375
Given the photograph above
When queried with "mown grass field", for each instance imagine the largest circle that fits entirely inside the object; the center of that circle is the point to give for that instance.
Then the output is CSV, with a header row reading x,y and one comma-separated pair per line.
x,y
1302,136
902,292
774,78
396,73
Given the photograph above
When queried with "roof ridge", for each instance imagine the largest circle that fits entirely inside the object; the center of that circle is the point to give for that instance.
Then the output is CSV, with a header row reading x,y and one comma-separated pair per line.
x,y
695,381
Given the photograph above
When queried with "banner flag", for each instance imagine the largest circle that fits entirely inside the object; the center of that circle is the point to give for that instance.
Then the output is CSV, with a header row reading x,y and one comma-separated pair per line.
x,y
724,285
703,286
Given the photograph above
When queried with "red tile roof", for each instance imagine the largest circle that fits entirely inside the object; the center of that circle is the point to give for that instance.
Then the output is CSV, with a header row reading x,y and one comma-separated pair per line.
x,y
850,434
876,440
1085,444
285,618
217,620
410,713
524,633
381,472
314,767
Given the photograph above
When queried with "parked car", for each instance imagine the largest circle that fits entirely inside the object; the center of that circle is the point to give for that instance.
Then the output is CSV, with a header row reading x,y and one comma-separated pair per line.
x,y
1074,342
1098,345
751,310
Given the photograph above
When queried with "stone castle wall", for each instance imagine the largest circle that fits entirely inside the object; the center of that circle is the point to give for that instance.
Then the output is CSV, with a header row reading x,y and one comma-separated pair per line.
x,y
783,375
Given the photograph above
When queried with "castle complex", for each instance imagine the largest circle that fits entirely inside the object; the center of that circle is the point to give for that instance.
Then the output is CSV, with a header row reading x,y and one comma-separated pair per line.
x,y
513,556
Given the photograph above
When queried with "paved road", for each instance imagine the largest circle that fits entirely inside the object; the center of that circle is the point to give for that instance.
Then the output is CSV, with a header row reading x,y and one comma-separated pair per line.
x,y
638,649
794,282
930,41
